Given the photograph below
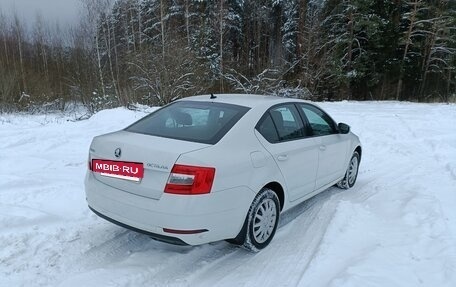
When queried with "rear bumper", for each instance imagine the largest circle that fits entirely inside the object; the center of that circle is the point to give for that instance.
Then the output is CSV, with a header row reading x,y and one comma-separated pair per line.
x,y
221,213
167,239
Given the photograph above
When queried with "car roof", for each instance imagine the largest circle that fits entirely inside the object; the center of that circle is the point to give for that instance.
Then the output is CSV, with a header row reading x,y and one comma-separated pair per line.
x,y
247,100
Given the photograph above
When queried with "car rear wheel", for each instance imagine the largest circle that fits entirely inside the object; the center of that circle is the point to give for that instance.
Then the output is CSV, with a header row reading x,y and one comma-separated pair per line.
x,y
351,174
261,222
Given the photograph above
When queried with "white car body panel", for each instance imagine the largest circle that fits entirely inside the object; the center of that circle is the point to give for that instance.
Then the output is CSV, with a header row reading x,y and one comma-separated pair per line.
x,y
245,162
332,154
299,176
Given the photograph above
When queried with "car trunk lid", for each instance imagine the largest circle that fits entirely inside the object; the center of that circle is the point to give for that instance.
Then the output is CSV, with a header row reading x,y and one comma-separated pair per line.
x,y
157,155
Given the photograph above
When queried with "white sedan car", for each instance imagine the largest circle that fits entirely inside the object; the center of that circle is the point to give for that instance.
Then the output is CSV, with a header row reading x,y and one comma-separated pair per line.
x,y
209,168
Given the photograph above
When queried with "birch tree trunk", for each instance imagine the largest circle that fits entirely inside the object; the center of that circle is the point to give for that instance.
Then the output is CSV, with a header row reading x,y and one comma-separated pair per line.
x,y
19,37
350,48
408,42
187,24
100,70
164,76
221,45
431,40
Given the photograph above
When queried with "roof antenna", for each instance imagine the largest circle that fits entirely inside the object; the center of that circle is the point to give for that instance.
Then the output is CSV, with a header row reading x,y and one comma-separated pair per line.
x,y
213,97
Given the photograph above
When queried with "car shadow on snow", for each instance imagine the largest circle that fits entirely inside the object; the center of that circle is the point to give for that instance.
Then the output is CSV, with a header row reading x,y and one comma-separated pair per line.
x,y
305,207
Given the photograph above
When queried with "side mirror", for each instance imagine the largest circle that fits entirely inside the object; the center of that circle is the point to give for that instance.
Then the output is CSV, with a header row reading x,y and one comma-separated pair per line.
x,y
343,128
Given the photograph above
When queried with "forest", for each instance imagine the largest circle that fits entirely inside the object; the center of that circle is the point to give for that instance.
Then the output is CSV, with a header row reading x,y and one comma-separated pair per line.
x,y
151,52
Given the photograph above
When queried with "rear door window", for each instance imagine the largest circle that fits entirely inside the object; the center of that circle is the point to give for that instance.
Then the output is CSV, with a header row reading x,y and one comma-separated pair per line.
x,y
281,123
203,122
288,122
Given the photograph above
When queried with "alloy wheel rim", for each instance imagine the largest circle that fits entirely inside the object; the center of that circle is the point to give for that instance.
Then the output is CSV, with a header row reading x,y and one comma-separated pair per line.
x,y
264,220
353,170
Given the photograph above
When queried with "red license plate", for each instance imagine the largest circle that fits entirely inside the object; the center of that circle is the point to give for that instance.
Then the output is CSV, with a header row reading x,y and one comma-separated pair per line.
x,y
119,169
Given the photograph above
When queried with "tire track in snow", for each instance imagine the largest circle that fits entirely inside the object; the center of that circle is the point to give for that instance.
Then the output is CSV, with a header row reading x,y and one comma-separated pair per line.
x,y
305,223
161,258
111,244
191,264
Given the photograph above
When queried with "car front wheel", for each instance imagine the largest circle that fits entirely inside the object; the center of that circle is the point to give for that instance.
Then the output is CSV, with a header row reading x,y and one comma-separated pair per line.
x,y
351,174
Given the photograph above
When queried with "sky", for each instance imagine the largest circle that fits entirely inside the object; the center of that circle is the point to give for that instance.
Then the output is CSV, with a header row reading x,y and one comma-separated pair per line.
x,y
66,12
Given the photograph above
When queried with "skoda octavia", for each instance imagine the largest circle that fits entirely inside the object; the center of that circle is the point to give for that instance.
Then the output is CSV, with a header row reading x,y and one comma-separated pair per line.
x,y
210,168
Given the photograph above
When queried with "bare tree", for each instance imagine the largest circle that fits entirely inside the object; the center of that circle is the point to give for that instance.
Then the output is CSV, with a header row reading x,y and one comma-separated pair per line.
x,y
92,11
40,37
19,33
438,49
408,40
163,81
221,31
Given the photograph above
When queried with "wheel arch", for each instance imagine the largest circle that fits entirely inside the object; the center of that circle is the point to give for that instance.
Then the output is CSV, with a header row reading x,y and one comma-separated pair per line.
x,y
359,150
278,189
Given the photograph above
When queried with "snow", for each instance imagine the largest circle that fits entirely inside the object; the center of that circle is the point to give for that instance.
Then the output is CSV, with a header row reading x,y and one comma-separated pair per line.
x,y
396,227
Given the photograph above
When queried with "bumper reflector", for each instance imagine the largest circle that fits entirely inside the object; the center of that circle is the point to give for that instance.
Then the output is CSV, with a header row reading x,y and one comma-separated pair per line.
x,y
175,231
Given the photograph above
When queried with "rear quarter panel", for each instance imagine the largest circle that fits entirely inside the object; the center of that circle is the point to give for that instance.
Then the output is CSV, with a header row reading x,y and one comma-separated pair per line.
x,y
240,161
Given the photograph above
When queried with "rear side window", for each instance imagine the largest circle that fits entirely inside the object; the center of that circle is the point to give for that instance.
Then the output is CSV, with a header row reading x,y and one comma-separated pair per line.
x,y
203,122
268,130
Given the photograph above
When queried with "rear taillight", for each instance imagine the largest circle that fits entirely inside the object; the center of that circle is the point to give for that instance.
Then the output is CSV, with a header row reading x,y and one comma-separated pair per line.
x,y
187,179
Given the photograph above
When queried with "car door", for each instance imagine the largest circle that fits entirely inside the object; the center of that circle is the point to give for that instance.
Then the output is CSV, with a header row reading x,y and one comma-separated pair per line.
x,y
285,137
332,146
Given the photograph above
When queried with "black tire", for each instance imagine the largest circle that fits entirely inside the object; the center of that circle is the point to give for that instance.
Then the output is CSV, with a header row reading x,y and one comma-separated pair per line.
x,y
256,235
351,174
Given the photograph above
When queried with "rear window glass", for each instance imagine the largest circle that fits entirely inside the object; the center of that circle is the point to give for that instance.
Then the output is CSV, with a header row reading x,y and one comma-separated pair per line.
x,y
203,122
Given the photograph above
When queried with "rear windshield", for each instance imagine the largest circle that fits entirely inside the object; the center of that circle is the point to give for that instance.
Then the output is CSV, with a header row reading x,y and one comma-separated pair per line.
x,y
203,122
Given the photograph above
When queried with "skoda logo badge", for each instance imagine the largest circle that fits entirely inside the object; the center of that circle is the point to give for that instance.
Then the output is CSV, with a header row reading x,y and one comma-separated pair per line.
x,y
117,152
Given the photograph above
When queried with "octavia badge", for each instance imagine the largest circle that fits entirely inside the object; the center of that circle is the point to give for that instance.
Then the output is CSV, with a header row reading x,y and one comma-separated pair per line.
x,y
117,152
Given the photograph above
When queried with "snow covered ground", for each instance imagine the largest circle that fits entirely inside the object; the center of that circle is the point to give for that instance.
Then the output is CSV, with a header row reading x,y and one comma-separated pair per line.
x,y
396,227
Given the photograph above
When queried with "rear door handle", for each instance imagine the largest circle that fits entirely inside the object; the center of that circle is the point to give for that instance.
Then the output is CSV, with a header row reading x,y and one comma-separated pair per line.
x,y
322,147
282,157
